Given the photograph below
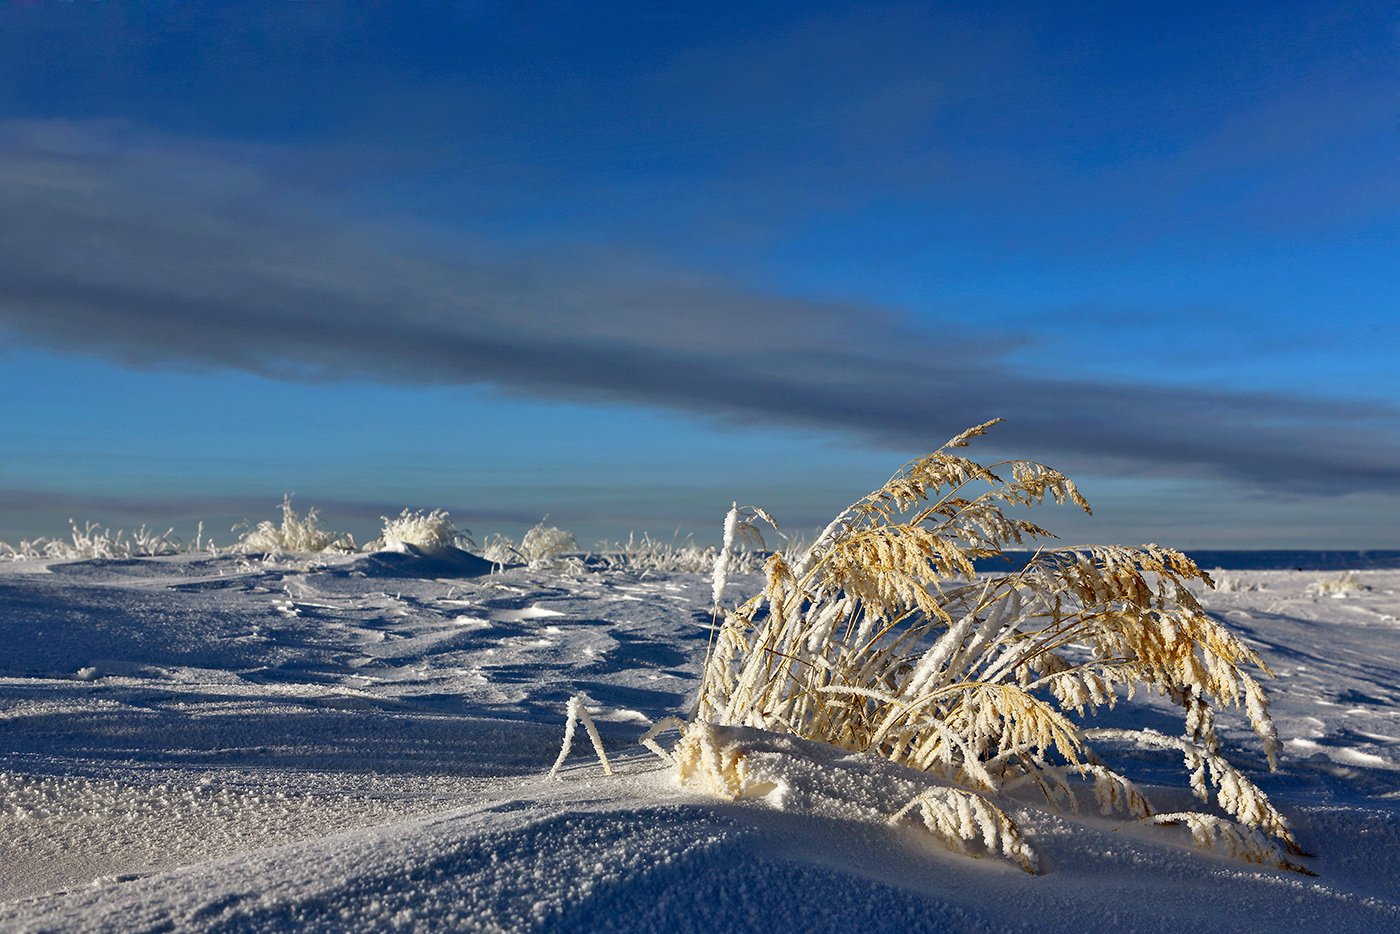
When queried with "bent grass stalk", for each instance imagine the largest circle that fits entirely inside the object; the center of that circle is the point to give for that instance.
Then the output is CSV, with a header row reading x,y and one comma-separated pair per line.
x,y
578,712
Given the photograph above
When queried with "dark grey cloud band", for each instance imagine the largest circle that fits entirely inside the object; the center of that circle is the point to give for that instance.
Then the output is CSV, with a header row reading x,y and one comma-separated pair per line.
x,y
160,252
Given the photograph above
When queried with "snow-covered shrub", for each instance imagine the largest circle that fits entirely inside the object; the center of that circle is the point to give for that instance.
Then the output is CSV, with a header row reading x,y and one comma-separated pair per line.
x,y
883,640
427,531
295,534
1339,586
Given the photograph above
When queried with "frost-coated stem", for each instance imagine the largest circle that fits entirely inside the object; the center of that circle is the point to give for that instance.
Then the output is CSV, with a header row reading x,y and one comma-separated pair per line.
x,y
568,737
721,573
577,712
593,734
649,739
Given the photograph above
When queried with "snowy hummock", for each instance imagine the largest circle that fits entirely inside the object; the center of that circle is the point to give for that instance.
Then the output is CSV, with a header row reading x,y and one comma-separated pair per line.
x,y
340,742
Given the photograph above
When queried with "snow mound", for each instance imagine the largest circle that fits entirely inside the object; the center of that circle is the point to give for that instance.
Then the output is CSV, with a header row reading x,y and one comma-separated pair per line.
x,y
408,560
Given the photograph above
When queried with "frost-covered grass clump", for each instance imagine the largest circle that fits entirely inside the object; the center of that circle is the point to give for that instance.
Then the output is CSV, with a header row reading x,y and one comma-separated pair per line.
x,y
500,550
1338,586
647,554
650,554
431,532
1226,582
883,640
296,534
95,541
543,547
546,546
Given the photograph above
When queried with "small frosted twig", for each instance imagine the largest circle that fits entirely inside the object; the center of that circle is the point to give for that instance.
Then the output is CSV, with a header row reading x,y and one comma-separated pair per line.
x,y
577,712
894,819
661,726
593,735
568,737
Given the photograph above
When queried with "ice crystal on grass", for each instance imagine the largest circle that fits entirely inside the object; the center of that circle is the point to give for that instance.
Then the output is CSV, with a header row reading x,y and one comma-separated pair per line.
x,y
882,639
740,530
960,817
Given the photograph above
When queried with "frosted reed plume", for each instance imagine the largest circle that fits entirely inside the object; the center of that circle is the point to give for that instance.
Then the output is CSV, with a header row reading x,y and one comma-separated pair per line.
x,y
882,639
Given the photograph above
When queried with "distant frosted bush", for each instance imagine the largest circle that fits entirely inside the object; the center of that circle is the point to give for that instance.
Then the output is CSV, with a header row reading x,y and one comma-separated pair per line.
x,y
295,534
26,549
1339,586
500,550
882,639
94,541
545,546
647,554
650,554
427,531
1233,583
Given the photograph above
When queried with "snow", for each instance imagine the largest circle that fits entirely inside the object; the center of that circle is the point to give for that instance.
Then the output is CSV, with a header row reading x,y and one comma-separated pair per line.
x,y
361,742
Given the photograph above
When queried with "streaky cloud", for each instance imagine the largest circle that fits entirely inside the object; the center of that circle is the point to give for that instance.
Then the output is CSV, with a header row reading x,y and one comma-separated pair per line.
x,y
167,252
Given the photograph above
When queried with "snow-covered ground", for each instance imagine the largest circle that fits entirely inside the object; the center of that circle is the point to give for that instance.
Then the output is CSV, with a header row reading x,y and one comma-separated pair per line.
x,y
197,743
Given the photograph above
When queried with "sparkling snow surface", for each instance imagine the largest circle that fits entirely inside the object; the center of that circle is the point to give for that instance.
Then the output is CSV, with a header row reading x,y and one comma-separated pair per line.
x,y
197,743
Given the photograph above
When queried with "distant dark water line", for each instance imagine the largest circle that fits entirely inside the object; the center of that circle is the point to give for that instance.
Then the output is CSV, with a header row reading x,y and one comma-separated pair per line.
x,y
1256,560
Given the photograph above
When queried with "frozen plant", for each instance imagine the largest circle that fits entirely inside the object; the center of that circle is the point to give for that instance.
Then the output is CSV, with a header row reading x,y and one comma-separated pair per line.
x,y
147,542
500,550
740,526
578,712
94,541
1339,586
545,546
1233,583
650,554
882,639
432,532
295,534
26,549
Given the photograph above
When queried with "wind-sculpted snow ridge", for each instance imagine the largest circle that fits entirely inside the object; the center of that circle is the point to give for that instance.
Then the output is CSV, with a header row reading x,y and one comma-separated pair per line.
x,y
202,742
883,639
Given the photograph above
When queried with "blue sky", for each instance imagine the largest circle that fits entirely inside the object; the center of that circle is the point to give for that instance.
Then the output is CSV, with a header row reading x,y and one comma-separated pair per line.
x,y
624,263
